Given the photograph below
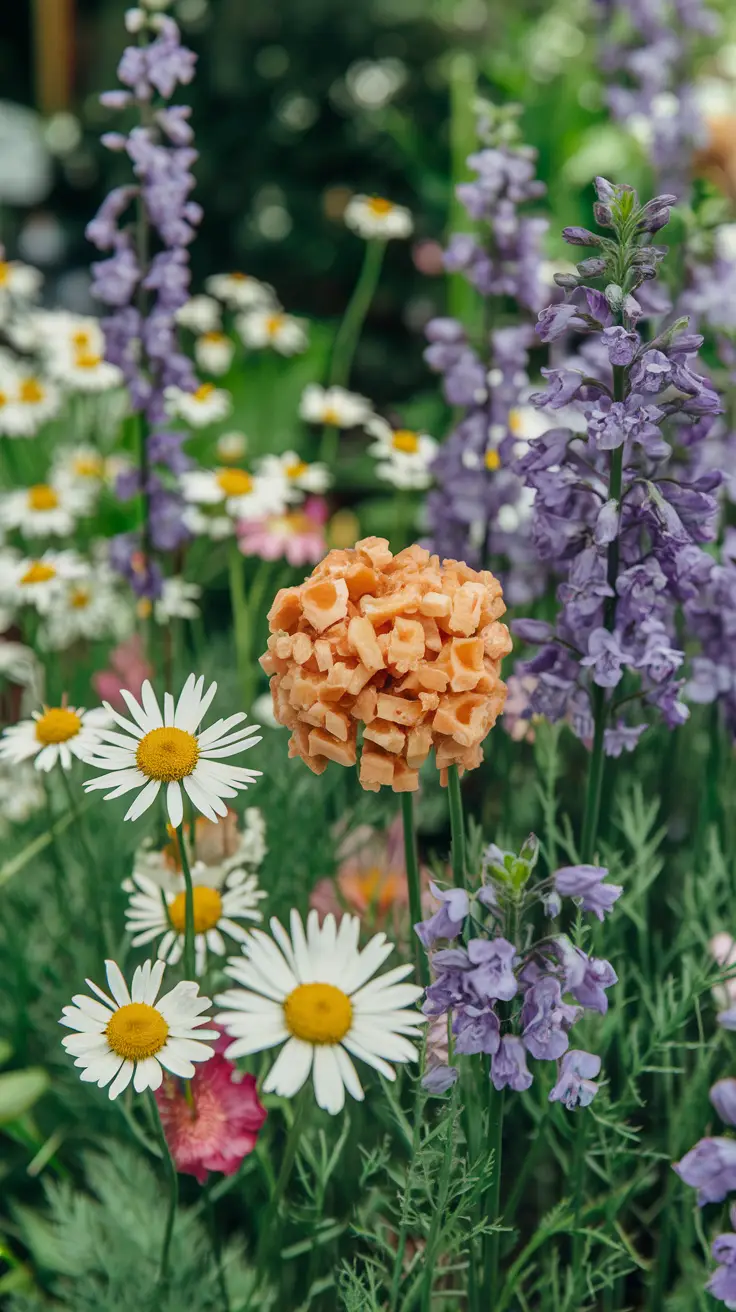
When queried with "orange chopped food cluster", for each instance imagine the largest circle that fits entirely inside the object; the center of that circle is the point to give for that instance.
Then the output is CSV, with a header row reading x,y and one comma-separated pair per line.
x,y
406,647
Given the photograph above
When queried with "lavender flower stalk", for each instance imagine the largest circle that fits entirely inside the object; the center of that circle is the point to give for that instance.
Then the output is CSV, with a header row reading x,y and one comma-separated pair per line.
x,y
621,512
479,509
710,1167
143,289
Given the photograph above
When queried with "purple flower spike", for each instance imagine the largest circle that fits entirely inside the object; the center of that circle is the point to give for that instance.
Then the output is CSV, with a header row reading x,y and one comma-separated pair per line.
x,y
476,1030
723,1098
493,975
722,1283
439,1079
508,1066
449,920
575,1085
710,1167
546,1019
586,882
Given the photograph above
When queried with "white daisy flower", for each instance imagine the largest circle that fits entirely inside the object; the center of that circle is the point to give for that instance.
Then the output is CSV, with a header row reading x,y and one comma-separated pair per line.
x,y
404,456
57,733
214,352
18,282
231,447
74,347
154,913
240,494
37,580
294,474
240,291
334,406
273,328
372,216
132,1035
89,608
200,314
44,509
26,403
219,847
311,992
200,408
207,524
178,600
158,749
80,466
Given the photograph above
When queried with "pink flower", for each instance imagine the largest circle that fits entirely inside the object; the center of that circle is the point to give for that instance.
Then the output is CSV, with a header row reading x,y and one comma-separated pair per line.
x,y
220,1126
297,536
723,949
129,670
371,881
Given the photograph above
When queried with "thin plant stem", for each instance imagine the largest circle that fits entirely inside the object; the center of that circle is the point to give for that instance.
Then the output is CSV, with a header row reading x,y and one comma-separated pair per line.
x,y
578,1171
241,619
189,965
600,709
457,826
348,334
438,1215
90,863
492,1207
217,1251
404,1223
287,1165
412,877
173,1190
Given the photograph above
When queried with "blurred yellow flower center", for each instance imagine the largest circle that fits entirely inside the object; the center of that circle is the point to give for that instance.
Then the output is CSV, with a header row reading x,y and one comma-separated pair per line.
x,y
57,725
214,339
318,1013
39,571
207,910
234,482
516,422
296,469
3,398
87,359
273,323
31,391
331,416
42,497
81,339
4,272
405,440
88,466
377,205
79,598
167,754
240,277
144,608
204,391
137,1031
493,459
292,524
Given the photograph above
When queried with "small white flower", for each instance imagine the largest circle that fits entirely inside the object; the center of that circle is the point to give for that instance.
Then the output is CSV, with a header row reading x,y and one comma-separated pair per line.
x,y
132,1036
178,600
214,353
158,749
200,314
207,524
26,402
37,581
91,607
44,509
80,466
240,291
200,408
311,992
156,913
240,494
334,406
18,282
294,475
372,216
231,447
273,328
74,349
404,456
57,733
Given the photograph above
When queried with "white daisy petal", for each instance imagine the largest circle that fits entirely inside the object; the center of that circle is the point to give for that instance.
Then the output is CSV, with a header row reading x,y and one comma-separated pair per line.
x,y
329,1089
290,1069
145,798
174,803
116,983
122,1080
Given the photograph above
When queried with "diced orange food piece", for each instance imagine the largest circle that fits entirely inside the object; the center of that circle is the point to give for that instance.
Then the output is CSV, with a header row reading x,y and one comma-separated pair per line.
x,y
405,645
301,648
364,707
324,602
359,678
432,677
286,610
387,735
376,768
496,640
377,550
435,604
362,638
404,780
400,710
466,663
418,745
322,743
360,579
323,654
380,609
337,723
466,609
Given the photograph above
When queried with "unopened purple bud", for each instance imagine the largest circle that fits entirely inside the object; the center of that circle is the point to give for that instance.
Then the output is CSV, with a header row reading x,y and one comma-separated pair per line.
x,y
532,630
580,237
567,281
602,216
593,267
604,190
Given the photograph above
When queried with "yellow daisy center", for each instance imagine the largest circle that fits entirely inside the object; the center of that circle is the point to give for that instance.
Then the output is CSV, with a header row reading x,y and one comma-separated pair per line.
x,y
331,416
207,910
493,459
39,571
240,277
203,392
84,359
79,598
4,272
88,466
234,482
378,206
273,323
405,440
42,497
167,754
318,1013
137,1031
57,725
214,339
31,391
292,524
296,469
3,398
516,422
81,339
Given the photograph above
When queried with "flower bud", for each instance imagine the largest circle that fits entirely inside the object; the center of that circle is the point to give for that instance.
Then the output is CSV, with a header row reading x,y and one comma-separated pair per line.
x,y
580,237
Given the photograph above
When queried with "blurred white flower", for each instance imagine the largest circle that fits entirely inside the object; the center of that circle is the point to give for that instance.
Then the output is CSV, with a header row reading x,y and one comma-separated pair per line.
x,y
294,475
334,406
178,600
89,608
273,328
231,446
372,216
240,291
214,352
74,349
201,314
36,581
44,509
200,408
404,456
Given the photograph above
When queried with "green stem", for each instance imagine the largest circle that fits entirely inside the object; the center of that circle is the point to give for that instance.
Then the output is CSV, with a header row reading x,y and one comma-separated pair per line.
x,y
412,878
579,1185
457,826
217,1251
600,709
405,1205
348,334
287,1164
241,619
189,963
173,1190
438,1214
492,1207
